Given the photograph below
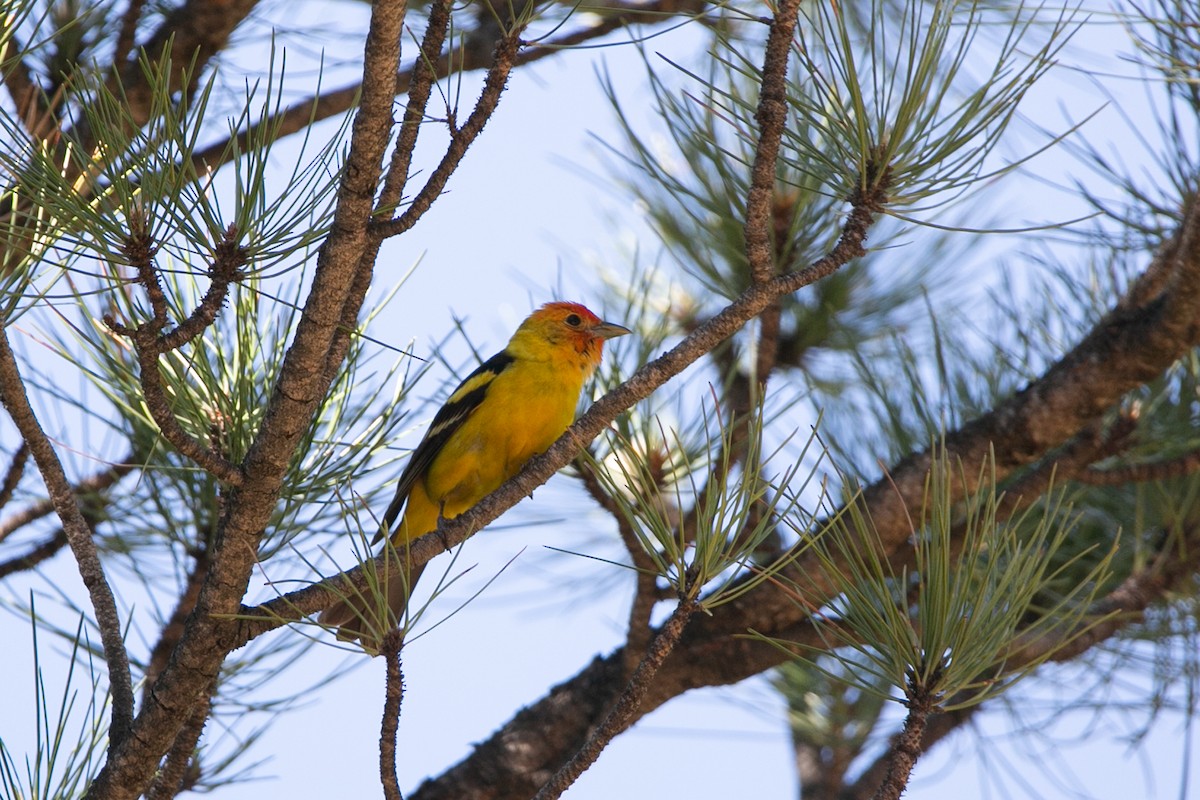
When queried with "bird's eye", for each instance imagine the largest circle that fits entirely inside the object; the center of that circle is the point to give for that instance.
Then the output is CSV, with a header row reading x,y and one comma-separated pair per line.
x,y
573,320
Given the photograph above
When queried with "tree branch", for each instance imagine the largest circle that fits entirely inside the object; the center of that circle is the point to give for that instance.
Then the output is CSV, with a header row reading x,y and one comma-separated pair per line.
x,y
304,379
12,476
418,102
47,549
90,485
391,650
624,711
461,138
302,114
79,536
175,626
151,340
937,728
646,594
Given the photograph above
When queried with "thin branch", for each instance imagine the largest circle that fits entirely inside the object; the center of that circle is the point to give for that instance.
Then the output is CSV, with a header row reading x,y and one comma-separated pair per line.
x,y
419,91
151,342
905,748
392,647
178,771
12,477
35,555
91,485
303,381
646,594
173,630
304,113
158,403
79,537
462,138
624,710
228,259
937,728
771,116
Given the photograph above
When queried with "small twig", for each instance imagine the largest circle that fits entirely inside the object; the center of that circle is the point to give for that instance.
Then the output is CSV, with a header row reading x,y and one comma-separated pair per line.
x,y
173,630
151,340
493,86
35,555
646,593
159,405
624,709
906,745
79,537
139,250
391,648
16,469
228,259
88,486
419,90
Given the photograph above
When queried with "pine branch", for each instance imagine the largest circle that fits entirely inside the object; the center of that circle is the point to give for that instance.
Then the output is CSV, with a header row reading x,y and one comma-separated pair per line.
x,y
35,555
937,728
79,536
178,766
392,647
12,476
461,138
91,485
304,380
905,748
152,340
624,711
300,115
646,595
414,111
175,625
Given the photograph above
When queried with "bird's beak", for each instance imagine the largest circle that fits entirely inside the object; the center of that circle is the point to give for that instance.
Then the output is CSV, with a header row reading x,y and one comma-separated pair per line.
x,y
609,330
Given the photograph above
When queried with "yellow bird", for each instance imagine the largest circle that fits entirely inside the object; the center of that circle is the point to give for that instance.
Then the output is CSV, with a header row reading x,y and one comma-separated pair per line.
x,y
512,407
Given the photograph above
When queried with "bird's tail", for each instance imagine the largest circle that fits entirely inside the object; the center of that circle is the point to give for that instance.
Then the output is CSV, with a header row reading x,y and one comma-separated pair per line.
x,y
363,616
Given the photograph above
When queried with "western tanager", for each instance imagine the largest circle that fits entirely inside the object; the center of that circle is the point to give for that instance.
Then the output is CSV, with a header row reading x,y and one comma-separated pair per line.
x,y
512,407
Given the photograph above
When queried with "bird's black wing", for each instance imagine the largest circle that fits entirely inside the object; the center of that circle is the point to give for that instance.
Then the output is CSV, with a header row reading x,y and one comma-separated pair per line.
x,y
449,418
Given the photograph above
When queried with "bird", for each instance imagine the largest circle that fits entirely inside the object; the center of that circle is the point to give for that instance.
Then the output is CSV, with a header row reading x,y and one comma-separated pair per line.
x,y
512,407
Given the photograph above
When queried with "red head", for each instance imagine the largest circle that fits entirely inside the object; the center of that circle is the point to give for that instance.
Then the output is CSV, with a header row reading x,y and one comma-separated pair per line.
x,y
567,331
